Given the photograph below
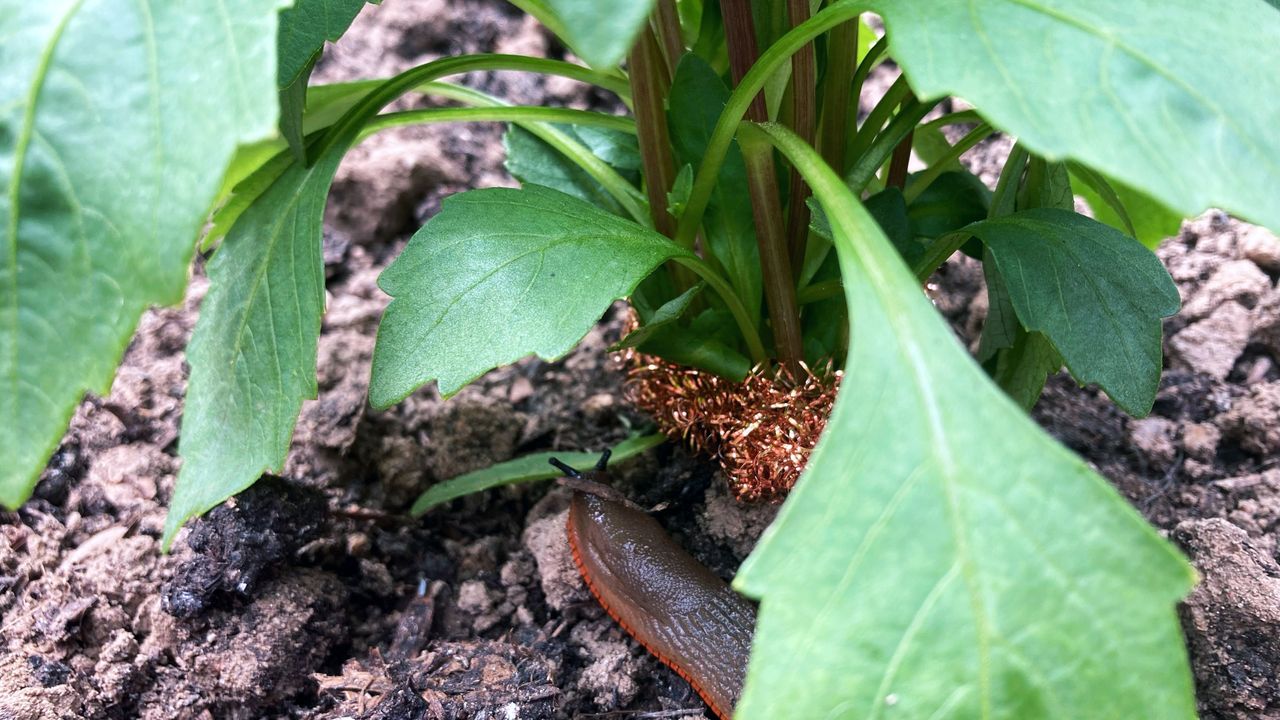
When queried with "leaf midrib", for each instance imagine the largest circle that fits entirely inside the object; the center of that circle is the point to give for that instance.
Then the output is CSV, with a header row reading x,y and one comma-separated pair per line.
x,y
260,272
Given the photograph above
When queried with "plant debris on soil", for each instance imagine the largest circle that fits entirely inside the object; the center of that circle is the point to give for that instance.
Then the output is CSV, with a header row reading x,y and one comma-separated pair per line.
x,y
315,596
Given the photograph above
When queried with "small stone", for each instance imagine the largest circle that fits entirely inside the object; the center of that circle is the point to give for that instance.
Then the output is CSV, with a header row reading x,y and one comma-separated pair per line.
x,y
547,541
1254,422
1212,345
1153,436
1197,471
599,407
1266,323
1200,440
521,389
1261,247
358,544
1239,280
474,598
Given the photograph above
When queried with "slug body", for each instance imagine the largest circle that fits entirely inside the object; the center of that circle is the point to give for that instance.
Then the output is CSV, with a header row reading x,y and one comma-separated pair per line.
x,y
674,605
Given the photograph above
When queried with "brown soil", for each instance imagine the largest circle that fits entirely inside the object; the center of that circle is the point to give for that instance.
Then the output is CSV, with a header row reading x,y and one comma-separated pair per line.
x,y
315,596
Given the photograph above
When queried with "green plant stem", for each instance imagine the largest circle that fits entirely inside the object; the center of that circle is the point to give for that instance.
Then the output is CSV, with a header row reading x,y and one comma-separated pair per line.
x,y
746,324
868,64
819,291
926,178
804,120
766,205
649,86
842,57
723,135
1002,203
348,126
1103,187
865,167
512,113
616,185
1006,192
937,253
895,96
667,22
959,117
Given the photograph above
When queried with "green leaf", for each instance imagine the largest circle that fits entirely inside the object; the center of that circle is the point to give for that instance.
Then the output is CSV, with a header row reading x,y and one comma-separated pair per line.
x,y
499,274
533,162
1018,361
1022,369
1046,185
529,468
1188,117
242,196
293,103
620,150
889,209
253,352
931,145
696,100
680,189
952,201
1001,327
708,344
1124,208
305,27
1095,292
663,316
117,120
941,556
601,31
825,323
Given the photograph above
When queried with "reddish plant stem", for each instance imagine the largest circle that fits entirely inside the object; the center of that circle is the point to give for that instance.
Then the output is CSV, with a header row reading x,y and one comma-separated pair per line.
x,y
740,34
766,207
898,163
804,115
649,86
779,288
667,20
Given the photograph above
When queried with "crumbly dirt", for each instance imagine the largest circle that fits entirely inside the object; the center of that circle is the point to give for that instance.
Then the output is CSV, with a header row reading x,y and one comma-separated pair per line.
x,y
316,596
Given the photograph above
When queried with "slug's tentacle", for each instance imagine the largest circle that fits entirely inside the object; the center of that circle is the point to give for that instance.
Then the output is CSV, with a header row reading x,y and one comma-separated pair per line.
x,y
565,468
674,605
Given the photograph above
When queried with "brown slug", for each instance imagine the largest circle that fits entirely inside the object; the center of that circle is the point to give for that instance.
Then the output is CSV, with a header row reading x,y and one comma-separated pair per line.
x,y
678,609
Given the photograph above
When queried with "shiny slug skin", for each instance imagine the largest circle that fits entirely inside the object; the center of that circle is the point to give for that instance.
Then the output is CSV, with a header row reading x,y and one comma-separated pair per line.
x,y
674,605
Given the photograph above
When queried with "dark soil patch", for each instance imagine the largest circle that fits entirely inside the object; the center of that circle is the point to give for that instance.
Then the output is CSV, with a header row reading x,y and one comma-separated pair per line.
x,y
316,596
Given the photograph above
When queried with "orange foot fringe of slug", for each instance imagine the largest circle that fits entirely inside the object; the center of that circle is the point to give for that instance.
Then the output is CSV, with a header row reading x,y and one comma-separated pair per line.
x,y
761,429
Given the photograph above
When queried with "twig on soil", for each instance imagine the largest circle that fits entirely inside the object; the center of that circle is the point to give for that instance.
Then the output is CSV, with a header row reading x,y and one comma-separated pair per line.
x,y
686,712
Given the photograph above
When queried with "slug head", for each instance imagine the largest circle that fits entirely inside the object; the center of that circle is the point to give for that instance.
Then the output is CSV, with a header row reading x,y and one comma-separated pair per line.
x,y
595,481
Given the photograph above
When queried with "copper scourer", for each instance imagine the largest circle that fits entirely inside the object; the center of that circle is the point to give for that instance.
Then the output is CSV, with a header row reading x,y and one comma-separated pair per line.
x,y
761,430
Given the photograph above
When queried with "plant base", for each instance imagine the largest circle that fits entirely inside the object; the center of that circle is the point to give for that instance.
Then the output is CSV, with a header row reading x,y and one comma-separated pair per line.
x,y
761,430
